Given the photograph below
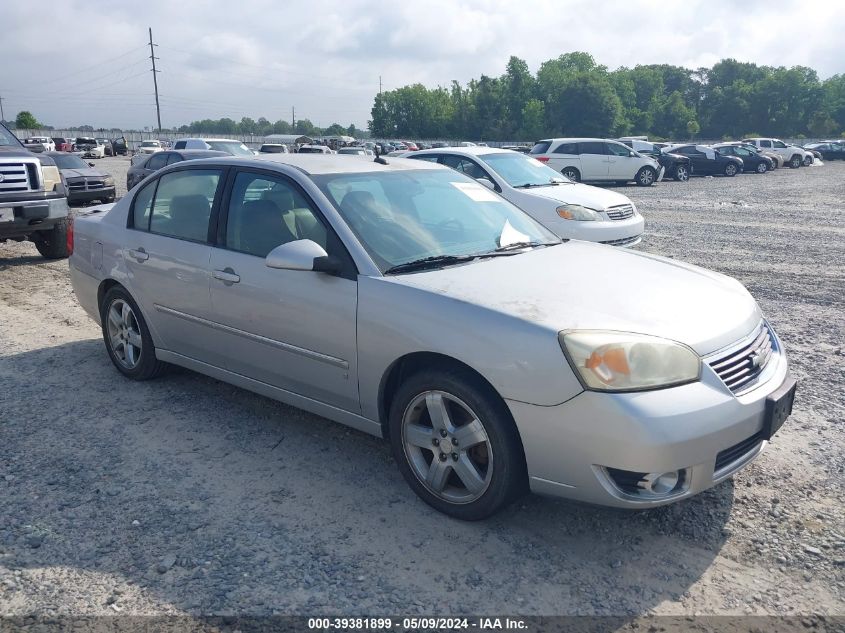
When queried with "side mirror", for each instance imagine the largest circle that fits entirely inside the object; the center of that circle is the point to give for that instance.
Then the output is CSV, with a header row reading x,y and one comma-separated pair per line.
x,y
487,183
632,154
91,165
302,255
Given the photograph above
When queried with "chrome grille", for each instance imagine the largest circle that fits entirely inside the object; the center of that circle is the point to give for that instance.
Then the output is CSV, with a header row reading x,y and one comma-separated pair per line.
x,y
620,212
85,185
741,367
17,176
624,241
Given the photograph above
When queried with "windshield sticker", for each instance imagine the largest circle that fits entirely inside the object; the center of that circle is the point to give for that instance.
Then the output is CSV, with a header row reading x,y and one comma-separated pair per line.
x,y
476,192
511,236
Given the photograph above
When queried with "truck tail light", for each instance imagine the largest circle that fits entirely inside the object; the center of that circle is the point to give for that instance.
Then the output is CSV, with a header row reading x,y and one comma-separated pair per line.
x,y
70,236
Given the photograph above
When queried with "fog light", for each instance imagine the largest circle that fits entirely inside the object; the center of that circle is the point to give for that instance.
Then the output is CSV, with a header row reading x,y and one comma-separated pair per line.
x,y
661,483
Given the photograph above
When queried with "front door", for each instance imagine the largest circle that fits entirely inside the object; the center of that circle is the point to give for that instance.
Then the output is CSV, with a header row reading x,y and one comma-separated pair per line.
x,y
295,330
621,166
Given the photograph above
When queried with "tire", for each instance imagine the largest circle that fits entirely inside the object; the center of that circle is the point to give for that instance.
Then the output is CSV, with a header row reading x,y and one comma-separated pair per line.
x,y
128,331
762,168
52,244
808,160
573,174
494,465
795,162
681,173
730,170
645,177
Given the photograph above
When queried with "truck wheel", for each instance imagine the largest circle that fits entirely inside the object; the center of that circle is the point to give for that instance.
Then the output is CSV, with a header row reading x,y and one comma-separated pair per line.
x,y
52,244
795,162
127,337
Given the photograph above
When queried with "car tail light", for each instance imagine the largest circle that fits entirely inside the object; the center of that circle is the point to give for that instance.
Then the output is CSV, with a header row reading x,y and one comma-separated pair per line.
x,y
542,159
70,236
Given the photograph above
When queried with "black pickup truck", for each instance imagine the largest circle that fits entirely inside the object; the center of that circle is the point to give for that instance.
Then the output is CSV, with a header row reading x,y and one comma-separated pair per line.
x,y
33,198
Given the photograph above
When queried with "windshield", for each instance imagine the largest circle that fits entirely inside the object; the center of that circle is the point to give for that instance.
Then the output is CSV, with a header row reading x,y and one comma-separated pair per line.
x,y
404,216
69,161
7,138
519,170
234,148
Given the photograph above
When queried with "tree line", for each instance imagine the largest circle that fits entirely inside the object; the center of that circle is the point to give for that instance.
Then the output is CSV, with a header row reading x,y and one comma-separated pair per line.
x,y
263,127
575,96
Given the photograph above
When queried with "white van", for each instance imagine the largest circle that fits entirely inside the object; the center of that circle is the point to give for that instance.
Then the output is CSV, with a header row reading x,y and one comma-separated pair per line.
x,y
597,160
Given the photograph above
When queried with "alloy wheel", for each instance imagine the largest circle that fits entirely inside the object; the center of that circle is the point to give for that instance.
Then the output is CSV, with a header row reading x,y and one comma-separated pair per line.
x,y
124,334
682,173
646,177
447,447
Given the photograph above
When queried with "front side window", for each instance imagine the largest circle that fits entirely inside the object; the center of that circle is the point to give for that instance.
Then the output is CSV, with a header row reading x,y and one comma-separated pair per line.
x,y
617,149
182,204
404,216
267,211
780,144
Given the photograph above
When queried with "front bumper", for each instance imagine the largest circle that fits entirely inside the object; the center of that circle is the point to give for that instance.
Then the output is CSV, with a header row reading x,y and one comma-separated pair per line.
x,y
104,194
570,447
23,217
613,232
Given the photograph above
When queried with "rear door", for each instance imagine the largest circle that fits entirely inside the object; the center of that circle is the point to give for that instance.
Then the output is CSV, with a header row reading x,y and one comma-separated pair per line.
x,y
167,255
595,160
562,155
295,330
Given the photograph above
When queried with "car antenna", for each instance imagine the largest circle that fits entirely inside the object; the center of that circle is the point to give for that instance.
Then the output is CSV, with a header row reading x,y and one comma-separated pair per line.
x,y
378,158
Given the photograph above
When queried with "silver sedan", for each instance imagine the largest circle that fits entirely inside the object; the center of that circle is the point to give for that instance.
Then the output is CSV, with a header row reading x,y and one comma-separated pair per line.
x,y
406,300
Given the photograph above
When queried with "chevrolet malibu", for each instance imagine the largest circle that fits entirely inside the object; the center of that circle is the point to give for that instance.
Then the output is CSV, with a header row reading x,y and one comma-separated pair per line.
x,y
404,299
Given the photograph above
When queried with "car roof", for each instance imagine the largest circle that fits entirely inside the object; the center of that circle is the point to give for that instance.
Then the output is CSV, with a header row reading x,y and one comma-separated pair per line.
x,y
578,140
199,153
316,164
475,150
207,139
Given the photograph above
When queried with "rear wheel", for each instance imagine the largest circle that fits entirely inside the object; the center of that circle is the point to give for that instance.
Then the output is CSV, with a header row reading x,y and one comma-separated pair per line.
x,y
762,168
52,244
646,177
730,169
572,174
127,337
681,173
456,443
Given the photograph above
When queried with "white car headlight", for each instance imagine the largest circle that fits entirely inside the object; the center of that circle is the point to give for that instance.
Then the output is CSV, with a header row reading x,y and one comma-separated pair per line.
x,y
621,361
108,181
52,177
577,212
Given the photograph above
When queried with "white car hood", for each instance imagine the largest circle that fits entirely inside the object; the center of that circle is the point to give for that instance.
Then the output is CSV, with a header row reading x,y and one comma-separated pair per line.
x,y
591,197
580,285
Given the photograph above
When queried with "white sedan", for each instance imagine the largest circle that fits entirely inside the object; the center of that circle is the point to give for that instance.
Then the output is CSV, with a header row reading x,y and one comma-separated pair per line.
x,y
570,209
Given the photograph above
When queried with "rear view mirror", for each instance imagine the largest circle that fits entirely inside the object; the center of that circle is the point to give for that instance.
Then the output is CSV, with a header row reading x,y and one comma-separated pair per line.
x,y
302,255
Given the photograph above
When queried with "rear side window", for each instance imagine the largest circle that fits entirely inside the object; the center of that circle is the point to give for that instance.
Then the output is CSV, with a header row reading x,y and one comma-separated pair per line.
x,y
142,206
180,145
182,205
157,161
765,143
540,147
592,147
465,166
173,158
567,148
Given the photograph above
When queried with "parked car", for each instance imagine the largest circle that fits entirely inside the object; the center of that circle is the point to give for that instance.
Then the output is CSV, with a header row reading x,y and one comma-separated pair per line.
x,y
230,146
314,149
85,183
828,150
777,160
706,161
492,356
674,165
39,144
410,145
518,148
794,156
150,147
62,144
90,147
751,161
153,162
33,198
570,210
273,148
357,151
119,146
597,160
106,143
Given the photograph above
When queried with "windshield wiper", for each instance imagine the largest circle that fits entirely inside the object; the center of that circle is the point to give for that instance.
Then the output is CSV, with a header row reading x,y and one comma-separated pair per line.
x,y
429,262
528,185
515,246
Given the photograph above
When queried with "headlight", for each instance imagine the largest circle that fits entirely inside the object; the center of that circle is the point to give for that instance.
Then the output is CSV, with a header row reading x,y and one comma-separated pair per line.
x,y
620,361
52,177
108,181
576,212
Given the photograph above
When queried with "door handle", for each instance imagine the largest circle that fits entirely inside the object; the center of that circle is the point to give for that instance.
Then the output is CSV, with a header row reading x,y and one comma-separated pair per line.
x,y
227,276
140,254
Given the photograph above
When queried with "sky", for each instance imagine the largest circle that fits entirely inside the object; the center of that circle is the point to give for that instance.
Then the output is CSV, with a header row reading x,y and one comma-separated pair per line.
x,y
325,57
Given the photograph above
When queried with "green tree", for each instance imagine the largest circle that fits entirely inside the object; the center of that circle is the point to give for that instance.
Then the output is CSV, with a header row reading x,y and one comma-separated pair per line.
x,y
533,120
26,121
693,128
335,129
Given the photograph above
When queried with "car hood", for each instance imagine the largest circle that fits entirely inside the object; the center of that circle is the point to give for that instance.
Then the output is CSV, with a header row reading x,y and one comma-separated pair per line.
x,y
592,197
581,285
88,172
8,151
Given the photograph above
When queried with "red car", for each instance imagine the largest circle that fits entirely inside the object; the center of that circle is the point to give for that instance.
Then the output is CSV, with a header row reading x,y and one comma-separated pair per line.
x,y
412,147
63,144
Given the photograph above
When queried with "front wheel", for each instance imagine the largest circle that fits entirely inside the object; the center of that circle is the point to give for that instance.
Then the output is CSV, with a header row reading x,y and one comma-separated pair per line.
x,y
456,444
808,160
52,244
682,173
127,337
795,162
646,177
762,168
730,170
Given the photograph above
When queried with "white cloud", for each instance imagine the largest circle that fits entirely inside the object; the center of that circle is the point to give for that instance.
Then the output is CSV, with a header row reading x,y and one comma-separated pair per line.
x,y
261,57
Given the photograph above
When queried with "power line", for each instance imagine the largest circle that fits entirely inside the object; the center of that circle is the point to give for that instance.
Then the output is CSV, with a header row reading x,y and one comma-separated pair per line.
x,y
155,79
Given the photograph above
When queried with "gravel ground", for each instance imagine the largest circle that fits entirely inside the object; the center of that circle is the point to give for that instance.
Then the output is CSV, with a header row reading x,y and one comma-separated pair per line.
x,y
186,495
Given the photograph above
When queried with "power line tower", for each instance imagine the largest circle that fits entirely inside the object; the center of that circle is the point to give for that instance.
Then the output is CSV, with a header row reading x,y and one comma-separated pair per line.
x,y
155,79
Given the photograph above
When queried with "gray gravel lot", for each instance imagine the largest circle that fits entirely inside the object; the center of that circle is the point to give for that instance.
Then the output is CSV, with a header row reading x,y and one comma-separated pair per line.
x,y
186,495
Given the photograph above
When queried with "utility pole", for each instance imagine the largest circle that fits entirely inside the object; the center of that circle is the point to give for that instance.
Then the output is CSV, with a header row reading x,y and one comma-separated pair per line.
x,y
379,84
292,117
155,79
2,116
